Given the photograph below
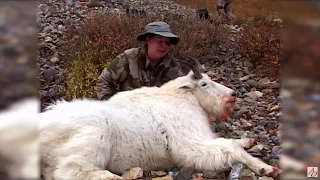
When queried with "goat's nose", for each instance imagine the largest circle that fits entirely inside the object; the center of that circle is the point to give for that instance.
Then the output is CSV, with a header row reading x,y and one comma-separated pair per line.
x,y
234,94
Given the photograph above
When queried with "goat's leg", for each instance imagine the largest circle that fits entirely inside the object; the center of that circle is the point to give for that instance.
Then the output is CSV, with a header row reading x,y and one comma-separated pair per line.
x,y
245,143
77,167
218,155
84,156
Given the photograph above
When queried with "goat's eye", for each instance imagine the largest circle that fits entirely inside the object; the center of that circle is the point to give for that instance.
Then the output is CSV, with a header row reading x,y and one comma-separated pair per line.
x,y
204,84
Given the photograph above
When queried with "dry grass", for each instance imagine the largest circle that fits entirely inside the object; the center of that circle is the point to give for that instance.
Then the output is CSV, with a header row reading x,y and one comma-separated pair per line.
x,y
244,9
241,8
261,45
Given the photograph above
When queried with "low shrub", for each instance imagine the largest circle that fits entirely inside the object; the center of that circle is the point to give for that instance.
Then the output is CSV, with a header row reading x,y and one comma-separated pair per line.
x,y
261,44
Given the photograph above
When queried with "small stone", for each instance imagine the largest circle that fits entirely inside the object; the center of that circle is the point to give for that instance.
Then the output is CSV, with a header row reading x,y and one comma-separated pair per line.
x,y
274,162
265,178
70,3
246,124
238,69
252,83
271,132
221,125
158,173
209,174
239,133
196,175
45,51
48,39
247,175
238,114
133,173
248,64
249,100
94,3
183,173
54,59
275,108
50,74
46,29
163,178
210,73
256,148
242,90
254,95
61,27
244,78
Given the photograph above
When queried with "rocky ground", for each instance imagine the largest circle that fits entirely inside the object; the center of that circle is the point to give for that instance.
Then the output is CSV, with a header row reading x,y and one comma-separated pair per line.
x,y
258,111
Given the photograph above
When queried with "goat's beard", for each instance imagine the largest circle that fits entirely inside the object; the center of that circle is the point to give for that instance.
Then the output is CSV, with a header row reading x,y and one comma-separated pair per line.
x,y
219,110
226,112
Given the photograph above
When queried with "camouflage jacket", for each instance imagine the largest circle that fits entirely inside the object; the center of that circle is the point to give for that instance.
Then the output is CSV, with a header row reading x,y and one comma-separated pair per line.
x,y
131,70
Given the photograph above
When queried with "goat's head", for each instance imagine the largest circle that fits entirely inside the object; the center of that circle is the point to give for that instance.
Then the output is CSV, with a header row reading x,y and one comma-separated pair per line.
x,y
216,99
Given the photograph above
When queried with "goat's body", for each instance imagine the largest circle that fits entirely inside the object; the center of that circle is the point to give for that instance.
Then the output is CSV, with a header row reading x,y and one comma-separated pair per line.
x,y
151,128
120,136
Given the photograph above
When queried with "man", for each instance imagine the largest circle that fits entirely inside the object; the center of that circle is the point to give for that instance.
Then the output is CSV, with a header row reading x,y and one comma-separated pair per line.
x,y
224,11
150,65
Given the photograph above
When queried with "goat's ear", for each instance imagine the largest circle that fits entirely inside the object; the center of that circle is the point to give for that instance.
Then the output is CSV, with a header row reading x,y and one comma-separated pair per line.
x,y
186,86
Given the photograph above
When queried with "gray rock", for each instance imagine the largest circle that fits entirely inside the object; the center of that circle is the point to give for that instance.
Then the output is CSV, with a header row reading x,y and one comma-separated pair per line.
x,y
252,83
45,51
46,29
265,178
254,95
256,148
61,27
249,100
210,73
51,74
209,174
70,3
54,59
244,78
183,174
248,64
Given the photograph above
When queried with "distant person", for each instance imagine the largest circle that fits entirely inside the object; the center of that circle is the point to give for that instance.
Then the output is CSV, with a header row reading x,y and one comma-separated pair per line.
x,y
224,11
151,65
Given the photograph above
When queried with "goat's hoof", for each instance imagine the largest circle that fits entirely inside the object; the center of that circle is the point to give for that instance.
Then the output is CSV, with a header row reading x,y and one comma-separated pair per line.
x,y
275,172
270,171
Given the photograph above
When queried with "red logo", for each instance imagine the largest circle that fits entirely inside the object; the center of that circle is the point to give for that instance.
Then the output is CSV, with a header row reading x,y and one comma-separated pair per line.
x,y
312,172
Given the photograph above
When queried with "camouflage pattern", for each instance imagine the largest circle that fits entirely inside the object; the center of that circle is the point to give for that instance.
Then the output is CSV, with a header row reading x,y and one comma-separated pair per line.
x,y
131,70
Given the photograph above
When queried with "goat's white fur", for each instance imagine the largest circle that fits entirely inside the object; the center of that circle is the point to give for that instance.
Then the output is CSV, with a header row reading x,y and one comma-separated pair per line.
x,y
150,127
19,155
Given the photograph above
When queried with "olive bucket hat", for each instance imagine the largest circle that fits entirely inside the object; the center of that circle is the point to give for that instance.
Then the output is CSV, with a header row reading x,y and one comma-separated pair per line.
x,y
159,28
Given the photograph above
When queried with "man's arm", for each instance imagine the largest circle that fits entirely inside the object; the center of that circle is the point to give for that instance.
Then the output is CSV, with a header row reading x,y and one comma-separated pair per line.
x,y
109,79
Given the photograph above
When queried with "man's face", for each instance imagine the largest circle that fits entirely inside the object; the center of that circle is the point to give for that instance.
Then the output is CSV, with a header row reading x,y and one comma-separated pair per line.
x,y
158,46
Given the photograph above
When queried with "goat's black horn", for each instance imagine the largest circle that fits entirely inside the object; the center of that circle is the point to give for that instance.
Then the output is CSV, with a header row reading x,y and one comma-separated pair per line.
x,y
196,72
198,64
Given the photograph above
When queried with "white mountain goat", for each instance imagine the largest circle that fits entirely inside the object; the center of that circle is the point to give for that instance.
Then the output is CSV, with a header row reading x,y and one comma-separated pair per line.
x,y
151,127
